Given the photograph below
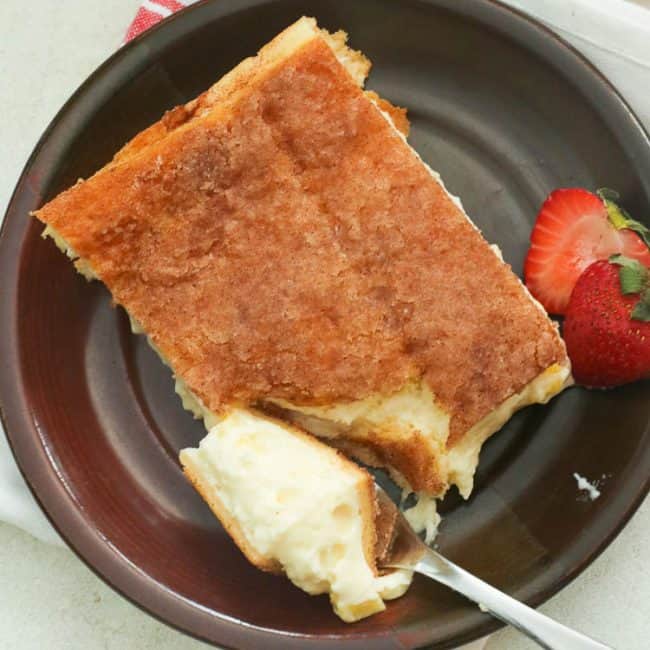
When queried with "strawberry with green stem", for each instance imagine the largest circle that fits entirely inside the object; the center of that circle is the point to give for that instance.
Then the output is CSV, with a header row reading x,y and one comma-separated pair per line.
x,y
607,325
574,228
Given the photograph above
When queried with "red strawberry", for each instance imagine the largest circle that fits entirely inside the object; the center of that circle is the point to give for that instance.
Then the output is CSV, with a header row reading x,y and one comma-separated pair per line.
x,y
573,229
607,325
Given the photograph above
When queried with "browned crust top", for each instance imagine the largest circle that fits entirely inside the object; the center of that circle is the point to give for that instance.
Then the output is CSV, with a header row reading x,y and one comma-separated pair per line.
x,y
295,247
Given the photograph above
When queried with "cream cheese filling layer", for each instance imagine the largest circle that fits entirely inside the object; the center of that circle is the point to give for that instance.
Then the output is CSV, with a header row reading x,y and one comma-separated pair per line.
x,y
408,412
297,502
412,411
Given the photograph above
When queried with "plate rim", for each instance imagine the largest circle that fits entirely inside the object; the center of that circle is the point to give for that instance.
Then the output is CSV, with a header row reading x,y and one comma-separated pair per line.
x,y
131,583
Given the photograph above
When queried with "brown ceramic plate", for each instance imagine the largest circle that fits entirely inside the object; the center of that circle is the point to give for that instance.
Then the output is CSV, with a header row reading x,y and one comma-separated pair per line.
x,y
506,112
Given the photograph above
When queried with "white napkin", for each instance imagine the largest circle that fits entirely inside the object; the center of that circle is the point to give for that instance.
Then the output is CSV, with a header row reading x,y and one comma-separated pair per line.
x,y
614,35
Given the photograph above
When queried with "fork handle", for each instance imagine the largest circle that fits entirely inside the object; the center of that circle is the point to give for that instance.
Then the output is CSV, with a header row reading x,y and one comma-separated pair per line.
x,y
544,630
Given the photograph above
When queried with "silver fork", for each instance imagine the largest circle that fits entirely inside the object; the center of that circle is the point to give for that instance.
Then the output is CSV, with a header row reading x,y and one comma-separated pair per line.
x,y
403,549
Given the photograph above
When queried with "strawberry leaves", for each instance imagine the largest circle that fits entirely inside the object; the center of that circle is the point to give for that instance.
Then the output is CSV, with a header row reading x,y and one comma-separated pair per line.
x,y
634,278
641,310
619,217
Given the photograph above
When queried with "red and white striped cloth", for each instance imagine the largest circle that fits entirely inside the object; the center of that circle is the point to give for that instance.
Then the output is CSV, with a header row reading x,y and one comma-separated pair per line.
x,y
152,12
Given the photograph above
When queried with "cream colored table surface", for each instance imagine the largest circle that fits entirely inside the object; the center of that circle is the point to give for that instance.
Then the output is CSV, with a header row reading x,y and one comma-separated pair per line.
x,y
48,599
